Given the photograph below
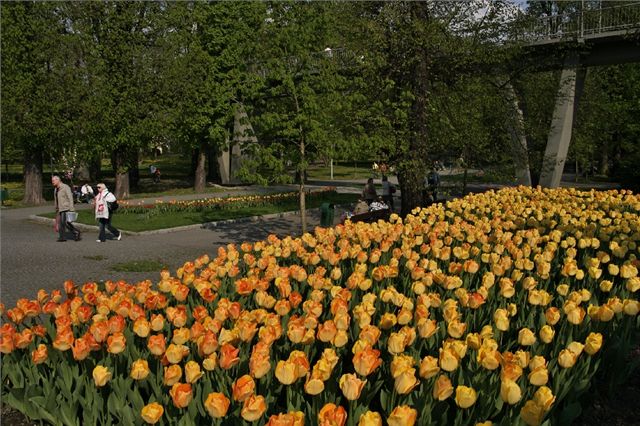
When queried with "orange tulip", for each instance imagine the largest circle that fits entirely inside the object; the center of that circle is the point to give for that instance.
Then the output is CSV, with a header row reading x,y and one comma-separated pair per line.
x,y
40,354
217,405
116,343
23,339
80,349
152,413
228,356
243,388
366,361
181,394
253,408
157,344
332,415
172,375
295,418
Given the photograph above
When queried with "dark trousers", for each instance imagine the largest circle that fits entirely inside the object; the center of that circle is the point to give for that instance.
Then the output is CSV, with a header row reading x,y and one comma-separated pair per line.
x,y
63,224
388,199
106,223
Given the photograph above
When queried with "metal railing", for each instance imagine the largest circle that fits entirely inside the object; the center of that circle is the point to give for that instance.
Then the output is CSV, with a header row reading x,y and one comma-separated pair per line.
x,y
580,24
339,57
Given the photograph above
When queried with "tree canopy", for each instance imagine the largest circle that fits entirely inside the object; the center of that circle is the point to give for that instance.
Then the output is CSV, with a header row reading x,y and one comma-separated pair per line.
x,y
402,82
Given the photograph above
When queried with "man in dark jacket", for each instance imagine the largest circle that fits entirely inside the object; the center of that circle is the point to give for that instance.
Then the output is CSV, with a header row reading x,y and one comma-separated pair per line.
x,y
63,199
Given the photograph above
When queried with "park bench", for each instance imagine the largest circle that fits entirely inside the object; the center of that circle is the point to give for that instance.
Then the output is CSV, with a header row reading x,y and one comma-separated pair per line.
x,y
371,217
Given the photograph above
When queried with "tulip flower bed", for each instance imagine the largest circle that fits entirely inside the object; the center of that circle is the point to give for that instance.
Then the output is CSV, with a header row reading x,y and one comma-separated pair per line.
x,y
498,307
220,203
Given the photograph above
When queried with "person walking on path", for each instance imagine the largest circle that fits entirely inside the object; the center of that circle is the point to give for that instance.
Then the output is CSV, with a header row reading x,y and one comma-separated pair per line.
x,y
103,215
63,199
369,192
388,190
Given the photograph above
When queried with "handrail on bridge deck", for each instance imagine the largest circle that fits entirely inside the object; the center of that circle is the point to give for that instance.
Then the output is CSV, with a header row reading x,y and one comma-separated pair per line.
x,y
580,24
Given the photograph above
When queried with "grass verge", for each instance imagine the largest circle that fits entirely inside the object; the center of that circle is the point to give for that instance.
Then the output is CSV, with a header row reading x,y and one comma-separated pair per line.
x,y
144,265
147,222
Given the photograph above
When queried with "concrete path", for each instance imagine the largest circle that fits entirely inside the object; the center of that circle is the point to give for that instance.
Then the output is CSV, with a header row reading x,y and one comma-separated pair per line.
x,y
32,259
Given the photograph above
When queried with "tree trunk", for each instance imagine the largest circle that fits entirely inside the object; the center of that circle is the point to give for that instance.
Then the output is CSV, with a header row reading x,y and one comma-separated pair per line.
x,y
120,164
213,173
33,177
134,170
413,166
195,154
200,176
95,168
302,169
604,163
303,201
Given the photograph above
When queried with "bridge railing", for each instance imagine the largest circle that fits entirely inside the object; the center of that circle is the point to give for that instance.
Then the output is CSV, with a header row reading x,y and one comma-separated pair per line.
x,y
579,24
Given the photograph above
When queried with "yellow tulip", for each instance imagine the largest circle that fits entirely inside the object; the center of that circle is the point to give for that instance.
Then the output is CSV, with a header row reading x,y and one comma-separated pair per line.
x,y
593,343
510,392
351,386
370,418
465,396
101,375
532,413
442,388
402,416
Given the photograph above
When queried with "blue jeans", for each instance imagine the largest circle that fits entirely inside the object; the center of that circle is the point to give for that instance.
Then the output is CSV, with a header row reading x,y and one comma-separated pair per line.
x,y
106,223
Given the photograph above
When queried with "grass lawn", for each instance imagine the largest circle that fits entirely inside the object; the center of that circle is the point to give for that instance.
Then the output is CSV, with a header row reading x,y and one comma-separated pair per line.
x,y
341,171
145,222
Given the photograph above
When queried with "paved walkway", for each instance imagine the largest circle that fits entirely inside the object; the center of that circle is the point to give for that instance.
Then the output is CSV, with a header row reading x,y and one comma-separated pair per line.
x,y
32,259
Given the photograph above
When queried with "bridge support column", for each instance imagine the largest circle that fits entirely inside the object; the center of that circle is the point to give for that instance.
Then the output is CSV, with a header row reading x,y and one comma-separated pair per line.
x,y
555,155
518,138
223,165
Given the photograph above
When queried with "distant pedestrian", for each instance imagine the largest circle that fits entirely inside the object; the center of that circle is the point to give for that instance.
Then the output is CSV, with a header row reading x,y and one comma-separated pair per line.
x,y
369,192
433,184
388,189
103,213
86,193
63,199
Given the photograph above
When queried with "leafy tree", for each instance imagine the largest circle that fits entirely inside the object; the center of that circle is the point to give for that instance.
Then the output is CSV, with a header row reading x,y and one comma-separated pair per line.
x,y
121,54
40,103
607,134
413,55
213,44
292,116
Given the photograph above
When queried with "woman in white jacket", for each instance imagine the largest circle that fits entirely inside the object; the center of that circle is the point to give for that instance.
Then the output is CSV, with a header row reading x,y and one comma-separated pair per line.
x,y
102,213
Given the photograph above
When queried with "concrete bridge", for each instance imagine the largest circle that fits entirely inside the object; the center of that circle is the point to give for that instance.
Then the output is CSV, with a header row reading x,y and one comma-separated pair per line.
x,y
588,37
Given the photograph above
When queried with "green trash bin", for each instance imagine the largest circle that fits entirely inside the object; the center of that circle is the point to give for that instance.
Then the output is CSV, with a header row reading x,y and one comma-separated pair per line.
x,y
326,215
4,195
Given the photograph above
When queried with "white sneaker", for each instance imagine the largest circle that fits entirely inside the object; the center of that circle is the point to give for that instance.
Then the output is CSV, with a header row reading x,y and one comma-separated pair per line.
x,y
99,241
119,236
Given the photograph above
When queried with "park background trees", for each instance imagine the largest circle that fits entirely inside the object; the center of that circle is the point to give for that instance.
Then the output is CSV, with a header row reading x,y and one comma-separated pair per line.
x,y
405,83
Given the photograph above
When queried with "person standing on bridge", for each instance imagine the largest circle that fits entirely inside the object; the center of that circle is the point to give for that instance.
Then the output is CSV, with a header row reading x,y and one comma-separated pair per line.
x,y
63,199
